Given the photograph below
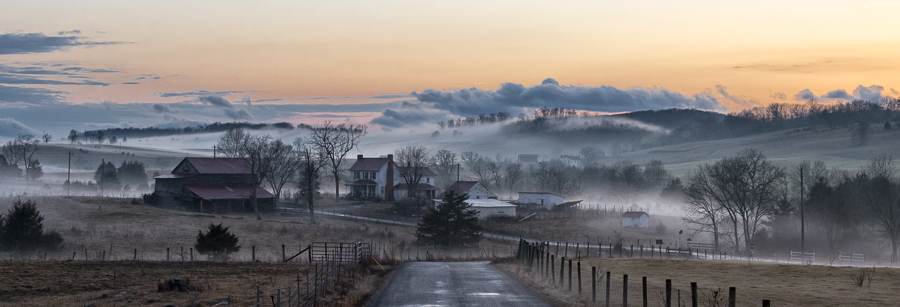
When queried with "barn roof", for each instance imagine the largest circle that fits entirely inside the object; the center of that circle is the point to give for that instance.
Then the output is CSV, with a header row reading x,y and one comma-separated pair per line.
x,y
419,187
368,164
462,186
227,191
634,214
488,203
219,165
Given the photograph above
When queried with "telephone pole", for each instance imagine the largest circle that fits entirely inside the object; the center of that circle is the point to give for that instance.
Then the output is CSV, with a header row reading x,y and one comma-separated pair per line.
x,y
102,174
69,177
802,221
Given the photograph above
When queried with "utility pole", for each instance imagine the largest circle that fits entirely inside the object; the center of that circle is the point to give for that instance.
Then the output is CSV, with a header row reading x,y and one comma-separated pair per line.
x,y
69,176
802,221
214,151
102,174
457,179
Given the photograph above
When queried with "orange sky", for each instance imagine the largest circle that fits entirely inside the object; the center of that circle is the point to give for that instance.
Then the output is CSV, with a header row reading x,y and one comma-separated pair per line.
x,y
302,49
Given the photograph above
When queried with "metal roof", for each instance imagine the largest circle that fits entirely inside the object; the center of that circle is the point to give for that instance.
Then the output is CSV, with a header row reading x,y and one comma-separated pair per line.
x,y
488,203
368,164
462,186
634,214
174,176
219,165
419,187
227,191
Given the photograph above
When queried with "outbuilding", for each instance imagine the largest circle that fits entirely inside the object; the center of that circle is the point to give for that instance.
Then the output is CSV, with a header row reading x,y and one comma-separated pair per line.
x,y
492,208
544,199
636,219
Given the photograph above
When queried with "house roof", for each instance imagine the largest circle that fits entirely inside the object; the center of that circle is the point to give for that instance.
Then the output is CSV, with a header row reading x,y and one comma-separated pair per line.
x,y
634,214
544,193
462,186
488,203
426,172
419,187
227,191
368,164
174,176
219,165
573,158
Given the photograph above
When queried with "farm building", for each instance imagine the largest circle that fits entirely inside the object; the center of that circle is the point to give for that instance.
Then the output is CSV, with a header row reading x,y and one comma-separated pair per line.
x,y
381,178
571,161
211,185
636,219
492,208
473,188
546,200
527,160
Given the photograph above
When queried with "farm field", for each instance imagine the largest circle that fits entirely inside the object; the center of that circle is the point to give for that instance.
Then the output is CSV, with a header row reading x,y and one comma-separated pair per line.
x,y
783,284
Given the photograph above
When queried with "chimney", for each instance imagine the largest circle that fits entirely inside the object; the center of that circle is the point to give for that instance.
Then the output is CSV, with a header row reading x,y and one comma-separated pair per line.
x,y
359,157
389,184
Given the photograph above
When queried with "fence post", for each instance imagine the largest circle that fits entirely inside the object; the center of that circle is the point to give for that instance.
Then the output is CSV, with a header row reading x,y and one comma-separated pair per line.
x,y
257,296
579,277
669,293
282,253
607,288
570,275
625,290
279,297
644,290
182,253
593,284
135,254
693,294
192,254
562,268
767,303
553,269
732,299
167,254
253,253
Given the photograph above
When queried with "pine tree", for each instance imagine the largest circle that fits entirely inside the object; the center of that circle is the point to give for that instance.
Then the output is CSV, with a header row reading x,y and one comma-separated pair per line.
x,y
22,227
217,243
453,223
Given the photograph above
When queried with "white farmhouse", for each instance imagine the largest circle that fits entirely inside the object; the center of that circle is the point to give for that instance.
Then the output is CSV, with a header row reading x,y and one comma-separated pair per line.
x,y
546,200
380,177
571,161
636,219
474,188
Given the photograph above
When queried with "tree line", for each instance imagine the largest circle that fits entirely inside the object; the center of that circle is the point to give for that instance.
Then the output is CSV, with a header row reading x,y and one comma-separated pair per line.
x,y
111,135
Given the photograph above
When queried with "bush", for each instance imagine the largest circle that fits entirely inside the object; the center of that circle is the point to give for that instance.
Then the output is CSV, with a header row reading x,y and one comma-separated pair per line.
x,y
217,243
22,229
151,199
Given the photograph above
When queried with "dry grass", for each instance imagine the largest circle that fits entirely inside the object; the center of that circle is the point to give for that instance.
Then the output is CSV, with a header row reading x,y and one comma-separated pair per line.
x,y
784,285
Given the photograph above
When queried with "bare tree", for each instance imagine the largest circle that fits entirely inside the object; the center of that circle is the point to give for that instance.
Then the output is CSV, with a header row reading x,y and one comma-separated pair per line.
x,y
513,173
881,165
335,142
310,164
590,155
232,142
413,160
46,137
283,167
704,210
22,149
256,149
541,176
73,136
746,186
476,164
655,173
444,165
495,171
884,200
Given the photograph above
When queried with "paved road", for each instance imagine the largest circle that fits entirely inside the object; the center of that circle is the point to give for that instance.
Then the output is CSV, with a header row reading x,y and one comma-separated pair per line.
x,y
453,284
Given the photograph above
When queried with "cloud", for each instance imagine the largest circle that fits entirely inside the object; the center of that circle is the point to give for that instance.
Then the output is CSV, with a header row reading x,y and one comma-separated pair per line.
x,y
20,79
29,95
779,96
131,83
216,101
69,32
872,93
806,94
22,43
10,127
142,77
516,98
82,69
161,108
722,90
237,114
409,114
30,70
390,96
894,91
199,93
550,81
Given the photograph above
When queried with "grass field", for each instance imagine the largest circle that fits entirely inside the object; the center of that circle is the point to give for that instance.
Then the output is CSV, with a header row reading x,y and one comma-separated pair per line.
x,y
784,285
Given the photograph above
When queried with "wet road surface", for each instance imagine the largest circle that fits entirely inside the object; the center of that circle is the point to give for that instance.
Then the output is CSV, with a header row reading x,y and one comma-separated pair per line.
x,y
453,284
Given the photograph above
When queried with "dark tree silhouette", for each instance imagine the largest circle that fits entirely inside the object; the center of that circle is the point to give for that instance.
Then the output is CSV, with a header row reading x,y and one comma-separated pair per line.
x,y
22,229
217,242
453,223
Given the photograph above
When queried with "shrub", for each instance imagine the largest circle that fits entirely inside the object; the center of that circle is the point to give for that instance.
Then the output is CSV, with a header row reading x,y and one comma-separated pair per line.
x,y
22,229
217,243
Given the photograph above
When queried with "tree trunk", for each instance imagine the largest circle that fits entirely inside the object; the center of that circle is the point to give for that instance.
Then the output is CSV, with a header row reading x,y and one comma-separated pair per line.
x,y
255,203
337,186
894,242
310,194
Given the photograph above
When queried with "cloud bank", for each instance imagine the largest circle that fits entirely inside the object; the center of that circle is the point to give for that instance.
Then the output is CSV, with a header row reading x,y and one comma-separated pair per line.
x,y
872,93
433,105
21,43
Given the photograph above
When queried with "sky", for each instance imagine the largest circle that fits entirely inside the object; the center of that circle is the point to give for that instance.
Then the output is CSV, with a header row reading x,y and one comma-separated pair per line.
x,y
394,64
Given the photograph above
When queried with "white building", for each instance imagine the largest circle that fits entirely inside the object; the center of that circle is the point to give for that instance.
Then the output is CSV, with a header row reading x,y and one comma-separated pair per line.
x,y
571,161
492,208
637,219
546,200
473,188
380,177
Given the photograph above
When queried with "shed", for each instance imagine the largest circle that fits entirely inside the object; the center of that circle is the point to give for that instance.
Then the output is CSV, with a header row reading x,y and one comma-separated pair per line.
x,y
636,219
474,188
545,199
211,185
492,208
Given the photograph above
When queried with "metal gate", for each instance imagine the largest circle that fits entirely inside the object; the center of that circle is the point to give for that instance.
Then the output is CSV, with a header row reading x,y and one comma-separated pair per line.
x,y
340,252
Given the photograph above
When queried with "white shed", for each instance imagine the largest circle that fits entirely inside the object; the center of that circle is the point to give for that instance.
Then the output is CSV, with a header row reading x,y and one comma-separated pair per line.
x,y
546,200
492,207
637,219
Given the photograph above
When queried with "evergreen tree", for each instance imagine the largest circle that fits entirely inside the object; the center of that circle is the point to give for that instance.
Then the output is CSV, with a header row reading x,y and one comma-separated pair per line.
x,y
134,174
217,243
110,177
22,229
453,223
